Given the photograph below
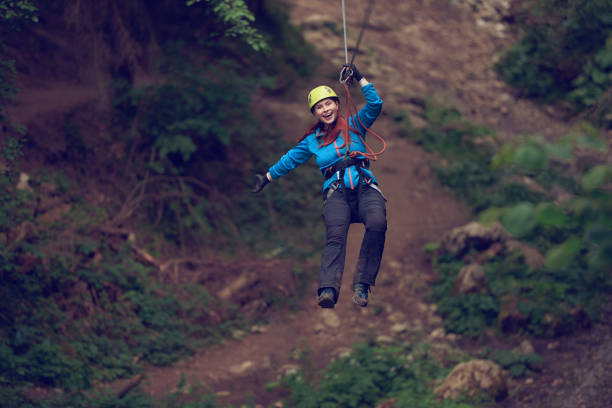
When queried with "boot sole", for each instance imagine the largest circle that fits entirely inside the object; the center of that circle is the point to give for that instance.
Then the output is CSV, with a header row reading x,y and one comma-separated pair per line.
x,y
359,301
326,303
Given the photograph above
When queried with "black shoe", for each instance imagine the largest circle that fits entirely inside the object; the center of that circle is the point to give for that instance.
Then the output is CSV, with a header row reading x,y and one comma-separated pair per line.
x,y
360,295
326,298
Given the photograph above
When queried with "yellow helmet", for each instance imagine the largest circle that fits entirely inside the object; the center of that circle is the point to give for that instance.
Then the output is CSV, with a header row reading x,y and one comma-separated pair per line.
x,y
318,94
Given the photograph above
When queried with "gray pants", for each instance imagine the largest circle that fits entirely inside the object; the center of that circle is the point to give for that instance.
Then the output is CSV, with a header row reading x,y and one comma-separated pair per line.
x,y
366,205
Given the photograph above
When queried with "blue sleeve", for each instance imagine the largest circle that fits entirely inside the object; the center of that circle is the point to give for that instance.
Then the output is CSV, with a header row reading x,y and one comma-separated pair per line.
x,y
371,110
299,154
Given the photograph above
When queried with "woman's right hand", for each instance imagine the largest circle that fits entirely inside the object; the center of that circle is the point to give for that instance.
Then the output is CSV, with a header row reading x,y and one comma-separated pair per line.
x,y
261,180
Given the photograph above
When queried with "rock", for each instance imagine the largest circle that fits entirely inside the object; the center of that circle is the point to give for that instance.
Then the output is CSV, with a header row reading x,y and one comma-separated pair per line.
x,y
319,328
258,329
238,334
470,279
396,317
474,378
524,348
510,319
398,328
423,307
382,339
240,369
417,324
342,352
441,353
24,182
532,256
473,235
330,318
438,333
452,337
289,369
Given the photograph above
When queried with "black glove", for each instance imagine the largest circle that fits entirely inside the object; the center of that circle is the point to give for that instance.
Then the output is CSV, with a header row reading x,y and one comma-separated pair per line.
x,y
352,70
261,180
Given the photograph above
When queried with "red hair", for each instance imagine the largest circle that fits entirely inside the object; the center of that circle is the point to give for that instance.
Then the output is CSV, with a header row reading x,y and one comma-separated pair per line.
x,y
330,136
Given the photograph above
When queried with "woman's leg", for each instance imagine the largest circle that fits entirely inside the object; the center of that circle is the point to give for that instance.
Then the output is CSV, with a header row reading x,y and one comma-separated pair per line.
x,y
337,217
373,214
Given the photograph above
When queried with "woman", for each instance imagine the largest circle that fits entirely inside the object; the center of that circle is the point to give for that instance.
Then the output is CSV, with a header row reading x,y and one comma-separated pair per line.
x,y
350,190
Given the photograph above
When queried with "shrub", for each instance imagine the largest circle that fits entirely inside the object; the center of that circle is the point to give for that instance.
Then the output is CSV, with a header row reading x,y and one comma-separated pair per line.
x,y
368,376
512,183
565,53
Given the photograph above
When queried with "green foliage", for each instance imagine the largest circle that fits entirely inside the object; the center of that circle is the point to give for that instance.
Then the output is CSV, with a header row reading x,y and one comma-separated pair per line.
x,y
518,365
237,16
468,164
468,314
77,309
520,220
201,110
182,397
201,132
7,89
18,10
565,53
369,376
512,184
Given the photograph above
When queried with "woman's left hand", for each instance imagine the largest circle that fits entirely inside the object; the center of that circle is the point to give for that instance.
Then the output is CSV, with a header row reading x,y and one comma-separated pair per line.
x,y
352,71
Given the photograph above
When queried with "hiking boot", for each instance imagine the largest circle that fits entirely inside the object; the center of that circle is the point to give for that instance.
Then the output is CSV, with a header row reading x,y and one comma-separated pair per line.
x,y
326,298
360,294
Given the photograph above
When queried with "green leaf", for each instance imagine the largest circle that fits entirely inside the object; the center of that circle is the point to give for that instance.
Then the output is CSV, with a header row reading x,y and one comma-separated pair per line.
x,y
601,257
520,220
490,215
595,177
176,144
600,78
430,247
551,215
562,151
588,136
560,256
503,157
530,157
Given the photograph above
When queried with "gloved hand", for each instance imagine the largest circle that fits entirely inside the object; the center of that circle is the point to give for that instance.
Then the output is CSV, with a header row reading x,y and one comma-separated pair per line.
x,y
354,72
261,180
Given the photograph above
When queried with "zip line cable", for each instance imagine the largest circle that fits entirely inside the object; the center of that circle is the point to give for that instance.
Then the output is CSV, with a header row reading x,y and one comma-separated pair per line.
x,y
344,25
351,108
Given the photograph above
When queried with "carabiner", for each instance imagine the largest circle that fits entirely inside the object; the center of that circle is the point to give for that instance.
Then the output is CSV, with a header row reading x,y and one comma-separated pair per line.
x,y
346,75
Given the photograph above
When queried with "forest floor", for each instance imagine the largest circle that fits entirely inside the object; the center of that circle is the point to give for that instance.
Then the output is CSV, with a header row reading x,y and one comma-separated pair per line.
x,y
412,49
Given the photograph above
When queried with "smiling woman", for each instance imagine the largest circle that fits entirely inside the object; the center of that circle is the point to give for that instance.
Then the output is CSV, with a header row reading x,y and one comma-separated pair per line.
x,y
326,111
350,190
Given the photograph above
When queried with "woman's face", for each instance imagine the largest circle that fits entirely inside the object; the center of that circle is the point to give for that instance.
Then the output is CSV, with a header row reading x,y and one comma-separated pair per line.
x,y
326,111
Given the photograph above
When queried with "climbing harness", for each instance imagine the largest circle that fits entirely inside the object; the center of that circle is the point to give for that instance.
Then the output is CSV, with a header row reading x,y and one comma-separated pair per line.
x,y
346,77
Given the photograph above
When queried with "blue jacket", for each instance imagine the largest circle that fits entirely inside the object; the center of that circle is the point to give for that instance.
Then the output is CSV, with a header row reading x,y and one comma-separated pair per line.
x,y
329,155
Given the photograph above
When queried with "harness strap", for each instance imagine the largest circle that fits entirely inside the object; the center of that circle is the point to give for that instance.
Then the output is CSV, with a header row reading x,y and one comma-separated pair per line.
x,y
341,166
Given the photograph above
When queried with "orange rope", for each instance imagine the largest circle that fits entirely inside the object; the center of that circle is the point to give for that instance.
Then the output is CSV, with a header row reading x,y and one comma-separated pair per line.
x,y
351,109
